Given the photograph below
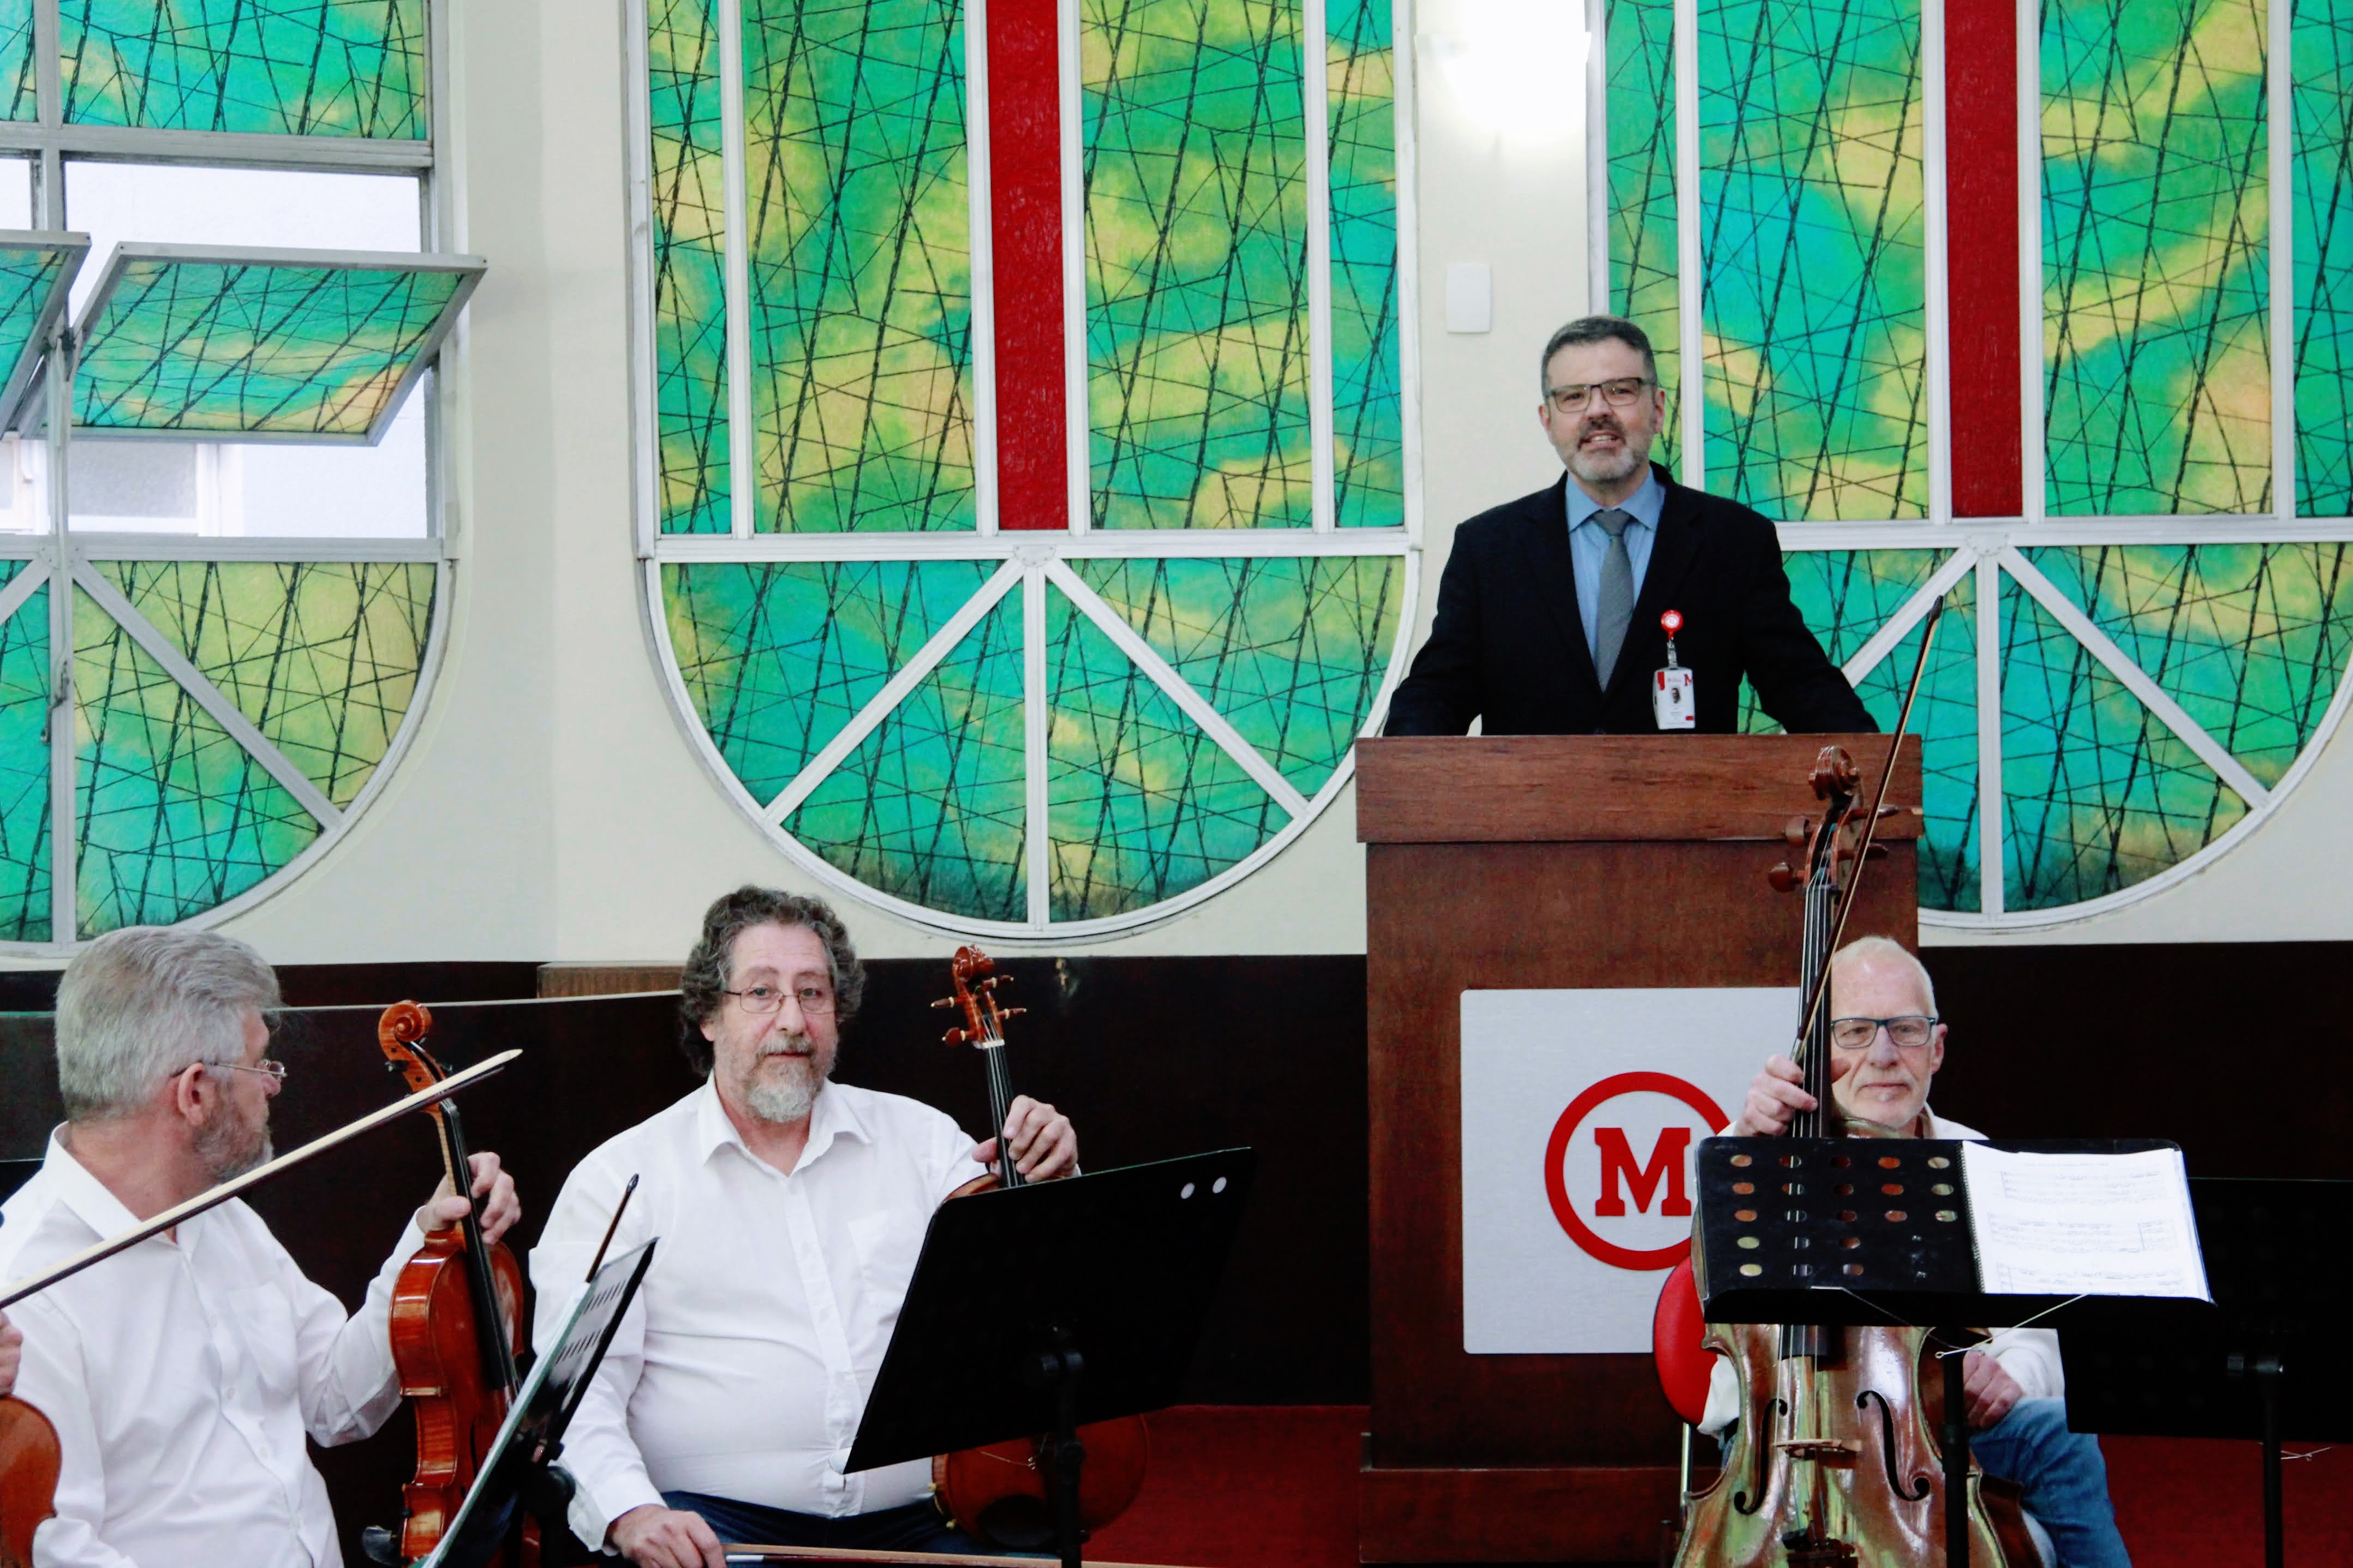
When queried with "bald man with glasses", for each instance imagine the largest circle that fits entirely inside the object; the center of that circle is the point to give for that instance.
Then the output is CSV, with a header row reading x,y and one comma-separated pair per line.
x,y
1550,610
1886,1044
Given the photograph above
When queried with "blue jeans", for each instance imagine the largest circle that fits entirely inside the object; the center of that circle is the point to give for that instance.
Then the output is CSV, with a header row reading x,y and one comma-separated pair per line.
x,y
2064,1478
917,1526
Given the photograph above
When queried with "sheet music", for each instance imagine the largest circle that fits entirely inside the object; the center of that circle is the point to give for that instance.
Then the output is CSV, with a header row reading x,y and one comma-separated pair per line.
x,y
2090,1225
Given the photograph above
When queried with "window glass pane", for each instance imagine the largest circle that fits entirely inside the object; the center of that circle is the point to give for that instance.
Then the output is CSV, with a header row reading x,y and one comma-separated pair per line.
x,y
16,194
252,488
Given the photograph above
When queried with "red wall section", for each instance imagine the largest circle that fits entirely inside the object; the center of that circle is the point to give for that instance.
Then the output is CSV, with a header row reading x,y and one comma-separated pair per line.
x,y
1025,154
1981,230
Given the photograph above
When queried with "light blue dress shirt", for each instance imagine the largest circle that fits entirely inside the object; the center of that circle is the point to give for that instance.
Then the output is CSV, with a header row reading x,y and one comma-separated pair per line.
x,y
1589,545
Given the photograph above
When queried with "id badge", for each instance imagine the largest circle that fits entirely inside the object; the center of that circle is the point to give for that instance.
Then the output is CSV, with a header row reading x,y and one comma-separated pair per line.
x,y
1672,700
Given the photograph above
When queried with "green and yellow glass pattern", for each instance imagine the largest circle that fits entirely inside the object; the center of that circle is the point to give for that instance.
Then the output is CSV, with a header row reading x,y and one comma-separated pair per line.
x,y
2322,208
19,81
930,805
690,267
1811,203
25,765
859,248
2155,229
1368,411
29,275
1643,264
231,348
278,68
1196,220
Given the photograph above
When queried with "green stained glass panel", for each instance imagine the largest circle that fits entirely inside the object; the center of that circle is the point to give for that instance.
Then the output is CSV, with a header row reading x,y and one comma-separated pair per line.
x,y
2251,639
777,657
2099,795
1141,806
1812,200
1195,224
931,806
19,85
861,264
690,241
2323,209
2156,386
282,67
1289,650
241,348
1846,597
175,817
1641,163
323,657
1368,435
28,276
24,766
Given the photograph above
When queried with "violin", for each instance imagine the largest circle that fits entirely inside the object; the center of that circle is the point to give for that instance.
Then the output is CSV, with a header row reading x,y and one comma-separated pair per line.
x,y
998,1493
456,1326
1836,1461
28,1479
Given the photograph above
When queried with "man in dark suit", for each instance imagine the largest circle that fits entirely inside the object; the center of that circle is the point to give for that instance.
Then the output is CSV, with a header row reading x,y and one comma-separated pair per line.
x,y
1548,613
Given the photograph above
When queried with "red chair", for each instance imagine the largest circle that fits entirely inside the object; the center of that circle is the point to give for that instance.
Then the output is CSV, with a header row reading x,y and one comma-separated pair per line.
x,y
1676,1329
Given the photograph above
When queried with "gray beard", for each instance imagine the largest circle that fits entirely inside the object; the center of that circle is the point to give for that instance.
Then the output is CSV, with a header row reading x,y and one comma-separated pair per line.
x,y
229,1150
1602,470
788,1097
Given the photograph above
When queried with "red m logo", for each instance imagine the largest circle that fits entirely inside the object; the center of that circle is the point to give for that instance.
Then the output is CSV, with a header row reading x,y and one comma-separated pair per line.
x,y
1619,1170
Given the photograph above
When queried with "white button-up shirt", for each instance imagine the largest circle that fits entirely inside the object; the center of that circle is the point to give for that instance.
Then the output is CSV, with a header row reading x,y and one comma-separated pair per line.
x,y
183,1375
743,1367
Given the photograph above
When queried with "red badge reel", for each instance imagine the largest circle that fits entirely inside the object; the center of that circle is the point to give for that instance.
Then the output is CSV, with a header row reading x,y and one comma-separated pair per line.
x,y
1673,703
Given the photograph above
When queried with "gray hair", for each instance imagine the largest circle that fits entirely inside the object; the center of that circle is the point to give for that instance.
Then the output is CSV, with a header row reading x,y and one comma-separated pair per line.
x,y
143,1003
1595,330
702,987
1886,950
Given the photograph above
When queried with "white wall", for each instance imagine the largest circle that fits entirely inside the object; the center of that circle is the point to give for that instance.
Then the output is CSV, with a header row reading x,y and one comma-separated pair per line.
x,y
552,807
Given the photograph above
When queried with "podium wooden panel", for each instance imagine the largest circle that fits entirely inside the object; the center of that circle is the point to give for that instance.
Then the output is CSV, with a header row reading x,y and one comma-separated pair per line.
x,y
1528,862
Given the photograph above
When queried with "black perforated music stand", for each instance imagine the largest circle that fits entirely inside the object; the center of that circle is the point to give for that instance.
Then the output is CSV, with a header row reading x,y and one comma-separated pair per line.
x,y
1857,1231
2270,1366
1042,1308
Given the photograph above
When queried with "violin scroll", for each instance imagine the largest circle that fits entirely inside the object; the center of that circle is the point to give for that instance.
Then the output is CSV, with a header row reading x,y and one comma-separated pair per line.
x,y
977,980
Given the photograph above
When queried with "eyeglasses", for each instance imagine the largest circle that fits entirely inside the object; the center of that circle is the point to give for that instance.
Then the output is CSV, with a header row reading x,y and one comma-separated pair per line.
x,y
814,1000
1910,1032
1619,393
275,1071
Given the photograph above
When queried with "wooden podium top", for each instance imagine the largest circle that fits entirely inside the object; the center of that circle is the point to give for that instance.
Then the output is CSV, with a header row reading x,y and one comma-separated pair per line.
x,y
1466,789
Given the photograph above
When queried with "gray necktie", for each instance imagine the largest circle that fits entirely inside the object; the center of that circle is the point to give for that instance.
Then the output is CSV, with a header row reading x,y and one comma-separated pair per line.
x,y
1615,610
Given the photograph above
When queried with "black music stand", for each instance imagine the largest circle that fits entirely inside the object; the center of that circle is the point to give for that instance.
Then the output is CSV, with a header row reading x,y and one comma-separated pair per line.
x,y
520,1467
2270,1366
1046,1307
1797,1258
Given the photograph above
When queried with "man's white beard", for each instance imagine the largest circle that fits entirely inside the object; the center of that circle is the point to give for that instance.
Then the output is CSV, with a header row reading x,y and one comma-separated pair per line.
x,y
784,1096
1598,468
230,1146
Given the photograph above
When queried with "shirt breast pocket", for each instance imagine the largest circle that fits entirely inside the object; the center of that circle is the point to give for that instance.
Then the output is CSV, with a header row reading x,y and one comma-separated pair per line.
x,y
261,1321
887,1245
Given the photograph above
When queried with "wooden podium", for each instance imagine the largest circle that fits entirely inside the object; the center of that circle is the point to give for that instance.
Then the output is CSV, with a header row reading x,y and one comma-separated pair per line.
x,y
1551,862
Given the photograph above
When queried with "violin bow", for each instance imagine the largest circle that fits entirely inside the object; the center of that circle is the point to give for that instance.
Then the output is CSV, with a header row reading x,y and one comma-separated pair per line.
x,y
1870,824
212,1197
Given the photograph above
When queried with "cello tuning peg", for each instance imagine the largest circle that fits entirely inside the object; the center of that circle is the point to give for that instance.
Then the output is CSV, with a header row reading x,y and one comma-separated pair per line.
x,y
945,1002
953,1038
1891,811
1782,877
1011,1011
1794,833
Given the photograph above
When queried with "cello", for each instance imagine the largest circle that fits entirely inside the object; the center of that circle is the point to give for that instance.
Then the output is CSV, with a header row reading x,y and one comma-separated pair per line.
x,y
1836,1461
998,1493
457,1327
28,1478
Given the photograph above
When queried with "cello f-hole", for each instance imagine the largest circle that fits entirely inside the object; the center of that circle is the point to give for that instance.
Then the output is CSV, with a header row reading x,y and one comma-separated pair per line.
x,y
1925,1484
1743,1502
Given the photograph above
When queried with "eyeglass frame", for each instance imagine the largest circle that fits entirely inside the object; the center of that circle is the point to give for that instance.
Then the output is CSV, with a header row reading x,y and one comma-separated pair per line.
x,y
268,1068
1586,390
822,1008
1928,1022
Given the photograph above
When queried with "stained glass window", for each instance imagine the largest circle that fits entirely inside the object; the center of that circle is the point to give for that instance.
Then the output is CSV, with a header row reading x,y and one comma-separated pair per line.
x,y
1026,733
185,723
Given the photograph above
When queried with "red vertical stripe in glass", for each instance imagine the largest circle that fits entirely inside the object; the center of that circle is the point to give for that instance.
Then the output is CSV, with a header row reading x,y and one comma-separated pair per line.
x,y
1981,89
1025,168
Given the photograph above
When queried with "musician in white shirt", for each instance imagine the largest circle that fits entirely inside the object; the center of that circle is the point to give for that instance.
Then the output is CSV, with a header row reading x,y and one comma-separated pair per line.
x,y
790,1210
1888,1044
183,1373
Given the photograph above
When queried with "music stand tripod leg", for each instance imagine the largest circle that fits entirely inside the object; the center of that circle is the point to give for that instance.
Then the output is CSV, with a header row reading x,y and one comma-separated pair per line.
x,y
2268,1387
1061,1367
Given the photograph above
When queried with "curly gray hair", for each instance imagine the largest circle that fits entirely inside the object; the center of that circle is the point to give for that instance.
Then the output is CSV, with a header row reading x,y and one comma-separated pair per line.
x,y
702,987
